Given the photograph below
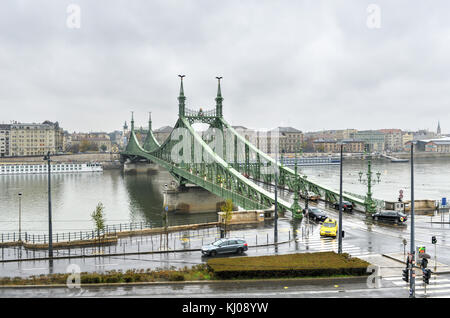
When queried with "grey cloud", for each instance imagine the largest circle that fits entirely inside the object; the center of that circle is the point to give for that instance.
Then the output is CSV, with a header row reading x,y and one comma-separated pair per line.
x,y
311,64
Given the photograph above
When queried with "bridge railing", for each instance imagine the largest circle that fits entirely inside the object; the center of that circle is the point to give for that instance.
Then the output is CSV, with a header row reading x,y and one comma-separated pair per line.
x,y
200,113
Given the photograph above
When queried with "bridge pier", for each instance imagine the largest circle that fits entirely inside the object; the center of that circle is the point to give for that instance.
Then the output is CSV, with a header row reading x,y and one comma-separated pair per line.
x,y
191,199
139,167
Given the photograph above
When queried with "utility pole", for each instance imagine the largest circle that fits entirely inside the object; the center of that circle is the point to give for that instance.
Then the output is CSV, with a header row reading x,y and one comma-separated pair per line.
x,y
50,235
340,205
412,287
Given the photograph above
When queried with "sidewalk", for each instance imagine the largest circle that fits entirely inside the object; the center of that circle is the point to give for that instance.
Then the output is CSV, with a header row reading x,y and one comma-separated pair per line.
x,y
439,268
388,266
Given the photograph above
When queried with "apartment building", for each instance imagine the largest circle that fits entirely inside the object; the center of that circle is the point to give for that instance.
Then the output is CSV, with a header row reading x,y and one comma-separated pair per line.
x,y
5,131
334,146
35,139
393,140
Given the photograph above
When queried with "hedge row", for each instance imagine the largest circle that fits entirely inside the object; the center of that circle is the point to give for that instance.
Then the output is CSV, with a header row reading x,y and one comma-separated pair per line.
x,y
198,272
291,265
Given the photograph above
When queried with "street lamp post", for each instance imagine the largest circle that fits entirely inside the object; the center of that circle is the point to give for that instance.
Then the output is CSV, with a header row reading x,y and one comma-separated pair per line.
x,y
412,277
295,206
275,226
369,202
50,237
20,216
340,204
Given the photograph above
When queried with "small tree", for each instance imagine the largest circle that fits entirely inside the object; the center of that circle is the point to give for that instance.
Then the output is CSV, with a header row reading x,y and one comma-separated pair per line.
x,y
98,216
227,208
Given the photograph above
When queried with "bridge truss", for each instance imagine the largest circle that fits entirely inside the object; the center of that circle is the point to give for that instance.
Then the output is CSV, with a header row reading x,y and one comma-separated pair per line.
x,y
222,161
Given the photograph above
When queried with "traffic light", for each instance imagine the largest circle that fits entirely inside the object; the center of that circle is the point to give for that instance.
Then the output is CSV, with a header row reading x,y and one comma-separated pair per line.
x,y
433,240
426,275
406,275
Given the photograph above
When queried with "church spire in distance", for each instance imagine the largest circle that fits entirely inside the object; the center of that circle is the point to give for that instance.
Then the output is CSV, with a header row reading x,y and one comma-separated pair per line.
x,y
439,128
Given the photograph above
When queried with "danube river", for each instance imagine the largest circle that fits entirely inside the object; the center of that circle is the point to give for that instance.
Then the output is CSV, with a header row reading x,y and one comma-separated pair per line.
x,y
138,198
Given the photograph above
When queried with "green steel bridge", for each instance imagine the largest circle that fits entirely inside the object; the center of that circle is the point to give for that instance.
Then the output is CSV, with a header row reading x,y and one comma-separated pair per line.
x,y
228,165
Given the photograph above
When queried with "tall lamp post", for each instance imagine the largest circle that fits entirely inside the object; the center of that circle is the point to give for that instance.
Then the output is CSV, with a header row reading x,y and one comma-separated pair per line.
x,y
295,206
412,277
50,237
369,202
340,203
20,216
275,226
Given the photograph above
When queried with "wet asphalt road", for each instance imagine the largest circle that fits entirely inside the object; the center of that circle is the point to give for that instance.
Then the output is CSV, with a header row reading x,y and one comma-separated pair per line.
x,y
256,289
362,238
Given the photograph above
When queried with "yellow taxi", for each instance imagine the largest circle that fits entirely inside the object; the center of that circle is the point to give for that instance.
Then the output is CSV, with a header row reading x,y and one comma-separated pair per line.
x,y
329,228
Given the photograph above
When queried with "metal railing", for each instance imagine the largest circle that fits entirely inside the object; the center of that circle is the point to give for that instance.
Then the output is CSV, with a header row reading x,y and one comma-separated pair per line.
x,y
111,229
200,113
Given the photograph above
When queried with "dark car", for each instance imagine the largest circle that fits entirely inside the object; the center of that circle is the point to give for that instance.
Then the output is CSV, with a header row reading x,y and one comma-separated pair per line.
x,y
346,206
390,216
316,214
225,245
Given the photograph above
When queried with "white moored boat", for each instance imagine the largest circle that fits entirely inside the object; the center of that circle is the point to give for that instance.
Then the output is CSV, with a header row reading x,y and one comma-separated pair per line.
x,y
7,169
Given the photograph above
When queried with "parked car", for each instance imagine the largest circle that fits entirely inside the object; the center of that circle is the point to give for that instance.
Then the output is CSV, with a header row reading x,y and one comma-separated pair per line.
x,y
316,214
225,245
392,216
329,228
346,206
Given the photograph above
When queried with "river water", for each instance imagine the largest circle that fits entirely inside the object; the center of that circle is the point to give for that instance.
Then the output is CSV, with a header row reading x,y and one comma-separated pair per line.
x,y
139,198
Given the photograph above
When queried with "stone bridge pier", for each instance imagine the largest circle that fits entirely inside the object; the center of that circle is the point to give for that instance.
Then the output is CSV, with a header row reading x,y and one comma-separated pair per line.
x,y
191,199
139,167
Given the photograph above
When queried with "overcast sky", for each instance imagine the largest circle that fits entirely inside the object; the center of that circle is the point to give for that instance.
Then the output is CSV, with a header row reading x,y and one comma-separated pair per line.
x,y
312,64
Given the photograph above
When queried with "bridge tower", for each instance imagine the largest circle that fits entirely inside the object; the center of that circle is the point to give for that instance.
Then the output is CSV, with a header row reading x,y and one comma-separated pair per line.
x,y
181,99
149,121
219,99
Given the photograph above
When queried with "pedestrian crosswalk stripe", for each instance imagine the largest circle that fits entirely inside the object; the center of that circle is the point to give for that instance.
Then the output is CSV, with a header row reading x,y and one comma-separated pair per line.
x,y
392,278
